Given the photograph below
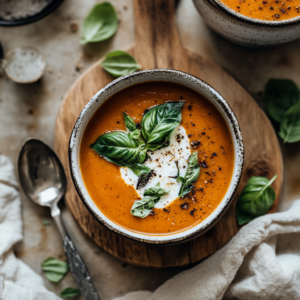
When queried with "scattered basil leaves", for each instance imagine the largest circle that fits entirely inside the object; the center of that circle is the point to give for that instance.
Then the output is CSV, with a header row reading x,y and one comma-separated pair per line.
x,y
280,95
54,269
100,24
283,105
143,180
290,125
142,208
118,63
191,175
159,122
255,200
69,293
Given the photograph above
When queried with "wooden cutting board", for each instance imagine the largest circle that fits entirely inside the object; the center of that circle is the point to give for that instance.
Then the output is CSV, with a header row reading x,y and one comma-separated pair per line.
x,y
158,45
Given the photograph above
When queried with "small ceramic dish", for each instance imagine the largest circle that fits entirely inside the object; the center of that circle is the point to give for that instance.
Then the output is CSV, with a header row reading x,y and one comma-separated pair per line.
x,y
246,31
166,75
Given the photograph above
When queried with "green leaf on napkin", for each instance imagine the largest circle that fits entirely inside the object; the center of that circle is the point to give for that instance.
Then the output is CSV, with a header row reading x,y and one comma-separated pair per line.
x,y
142,208
191,175
118,63
100,24
69,293
159,122
55,269
255,200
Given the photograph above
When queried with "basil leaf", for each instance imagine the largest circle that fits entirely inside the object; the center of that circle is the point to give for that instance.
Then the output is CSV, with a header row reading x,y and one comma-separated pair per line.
x,y
140,169
69,293
280,95
191,175
119,148
136,135
255,200
290,125
142,208
129,123
159,122
45,222
156,191
54,269
119,63
100,24
143,180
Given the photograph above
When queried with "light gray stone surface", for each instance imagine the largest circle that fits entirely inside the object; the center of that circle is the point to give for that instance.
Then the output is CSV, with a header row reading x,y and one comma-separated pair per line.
x,y
30,111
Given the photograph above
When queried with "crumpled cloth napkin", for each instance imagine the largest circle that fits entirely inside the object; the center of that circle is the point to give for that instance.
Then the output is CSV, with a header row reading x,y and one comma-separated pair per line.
x,y
261,262
17,280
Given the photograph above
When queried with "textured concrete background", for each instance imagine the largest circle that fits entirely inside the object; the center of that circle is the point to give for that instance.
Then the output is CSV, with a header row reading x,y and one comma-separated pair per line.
x,y
30,111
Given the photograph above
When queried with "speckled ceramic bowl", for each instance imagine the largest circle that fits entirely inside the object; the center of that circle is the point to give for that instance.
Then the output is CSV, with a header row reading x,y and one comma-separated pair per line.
x,y
145,76
244,30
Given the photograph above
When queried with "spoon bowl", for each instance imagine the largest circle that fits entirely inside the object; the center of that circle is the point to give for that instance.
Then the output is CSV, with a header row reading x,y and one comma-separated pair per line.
x,y
41,174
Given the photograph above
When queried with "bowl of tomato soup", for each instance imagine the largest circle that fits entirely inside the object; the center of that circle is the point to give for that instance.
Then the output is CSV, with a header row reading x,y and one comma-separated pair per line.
x,y
156,156
253,23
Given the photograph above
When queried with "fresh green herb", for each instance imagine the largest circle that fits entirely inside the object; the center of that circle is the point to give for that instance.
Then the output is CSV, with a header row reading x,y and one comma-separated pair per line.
x,y
159,122
280,95
55,269
100,24
142,208
119,63
255,200
45,222
191,175
69,293
290,125
129,123
283,105
119,148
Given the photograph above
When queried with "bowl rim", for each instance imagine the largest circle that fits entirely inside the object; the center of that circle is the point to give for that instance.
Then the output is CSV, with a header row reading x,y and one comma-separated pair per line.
x,y
40,15
254,21
225,110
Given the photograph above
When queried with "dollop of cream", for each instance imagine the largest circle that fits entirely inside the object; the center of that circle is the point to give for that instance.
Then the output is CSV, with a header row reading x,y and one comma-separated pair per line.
x,y
162,162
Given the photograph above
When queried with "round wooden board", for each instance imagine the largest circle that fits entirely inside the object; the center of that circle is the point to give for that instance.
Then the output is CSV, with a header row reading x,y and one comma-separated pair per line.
x,y
158,46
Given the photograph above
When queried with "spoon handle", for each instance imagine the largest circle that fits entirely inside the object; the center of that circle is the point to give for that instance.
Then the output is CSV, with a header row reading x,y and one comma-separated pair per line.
x,y
76,263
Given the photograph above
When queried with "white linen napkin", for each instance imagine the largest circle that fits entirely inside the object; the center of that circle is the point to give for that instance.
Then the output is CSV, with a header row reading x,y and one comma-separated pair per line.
x,y
17,280
261,262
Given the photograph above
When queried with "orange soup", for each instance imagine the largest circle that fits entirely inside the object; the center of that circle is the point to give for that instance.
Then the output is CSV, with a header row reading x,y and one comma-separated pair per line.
x,y
268,10
203,130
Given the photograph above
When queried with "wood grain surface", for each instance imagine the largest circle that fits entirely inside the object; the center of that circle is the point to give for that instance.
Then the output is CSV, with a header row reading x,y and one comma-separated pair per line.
x,y
158,46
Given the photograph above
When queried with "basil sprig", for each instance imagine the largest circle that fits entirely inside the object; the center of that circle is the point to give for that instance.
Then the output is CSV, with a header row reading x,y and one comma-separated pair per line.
x,y
255,200
191,175
283,105
69,293
118,63
55,269
100,24
159,122
128,149
142,208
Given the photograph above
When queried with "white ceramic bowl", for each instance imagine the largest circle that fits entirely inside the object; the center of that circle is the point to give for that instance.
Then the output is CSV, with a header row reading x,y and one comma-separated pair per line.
x,y
244,30
145,76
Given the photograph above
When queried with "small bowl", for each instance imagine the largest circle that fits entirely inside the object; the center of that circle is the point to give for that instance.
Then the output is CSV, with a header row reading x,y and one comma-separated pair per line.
x,y
246,31
167,75
42,14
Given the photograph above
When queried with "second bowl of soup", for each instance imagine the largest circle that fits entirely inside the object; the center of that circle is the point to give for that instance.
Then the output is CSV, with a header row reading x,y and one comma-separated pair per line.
x,y
156,156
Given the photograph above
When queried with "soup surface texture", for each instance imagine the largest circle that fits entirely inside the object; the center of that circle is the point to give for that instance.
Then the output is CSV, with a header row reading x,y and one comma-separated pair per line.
x,y
202,129
268,10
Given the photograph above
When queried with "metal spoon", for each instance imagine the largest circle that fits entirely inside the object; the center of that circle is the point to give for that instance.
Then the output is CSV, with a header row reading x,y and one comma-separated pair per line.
x,y
44,182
